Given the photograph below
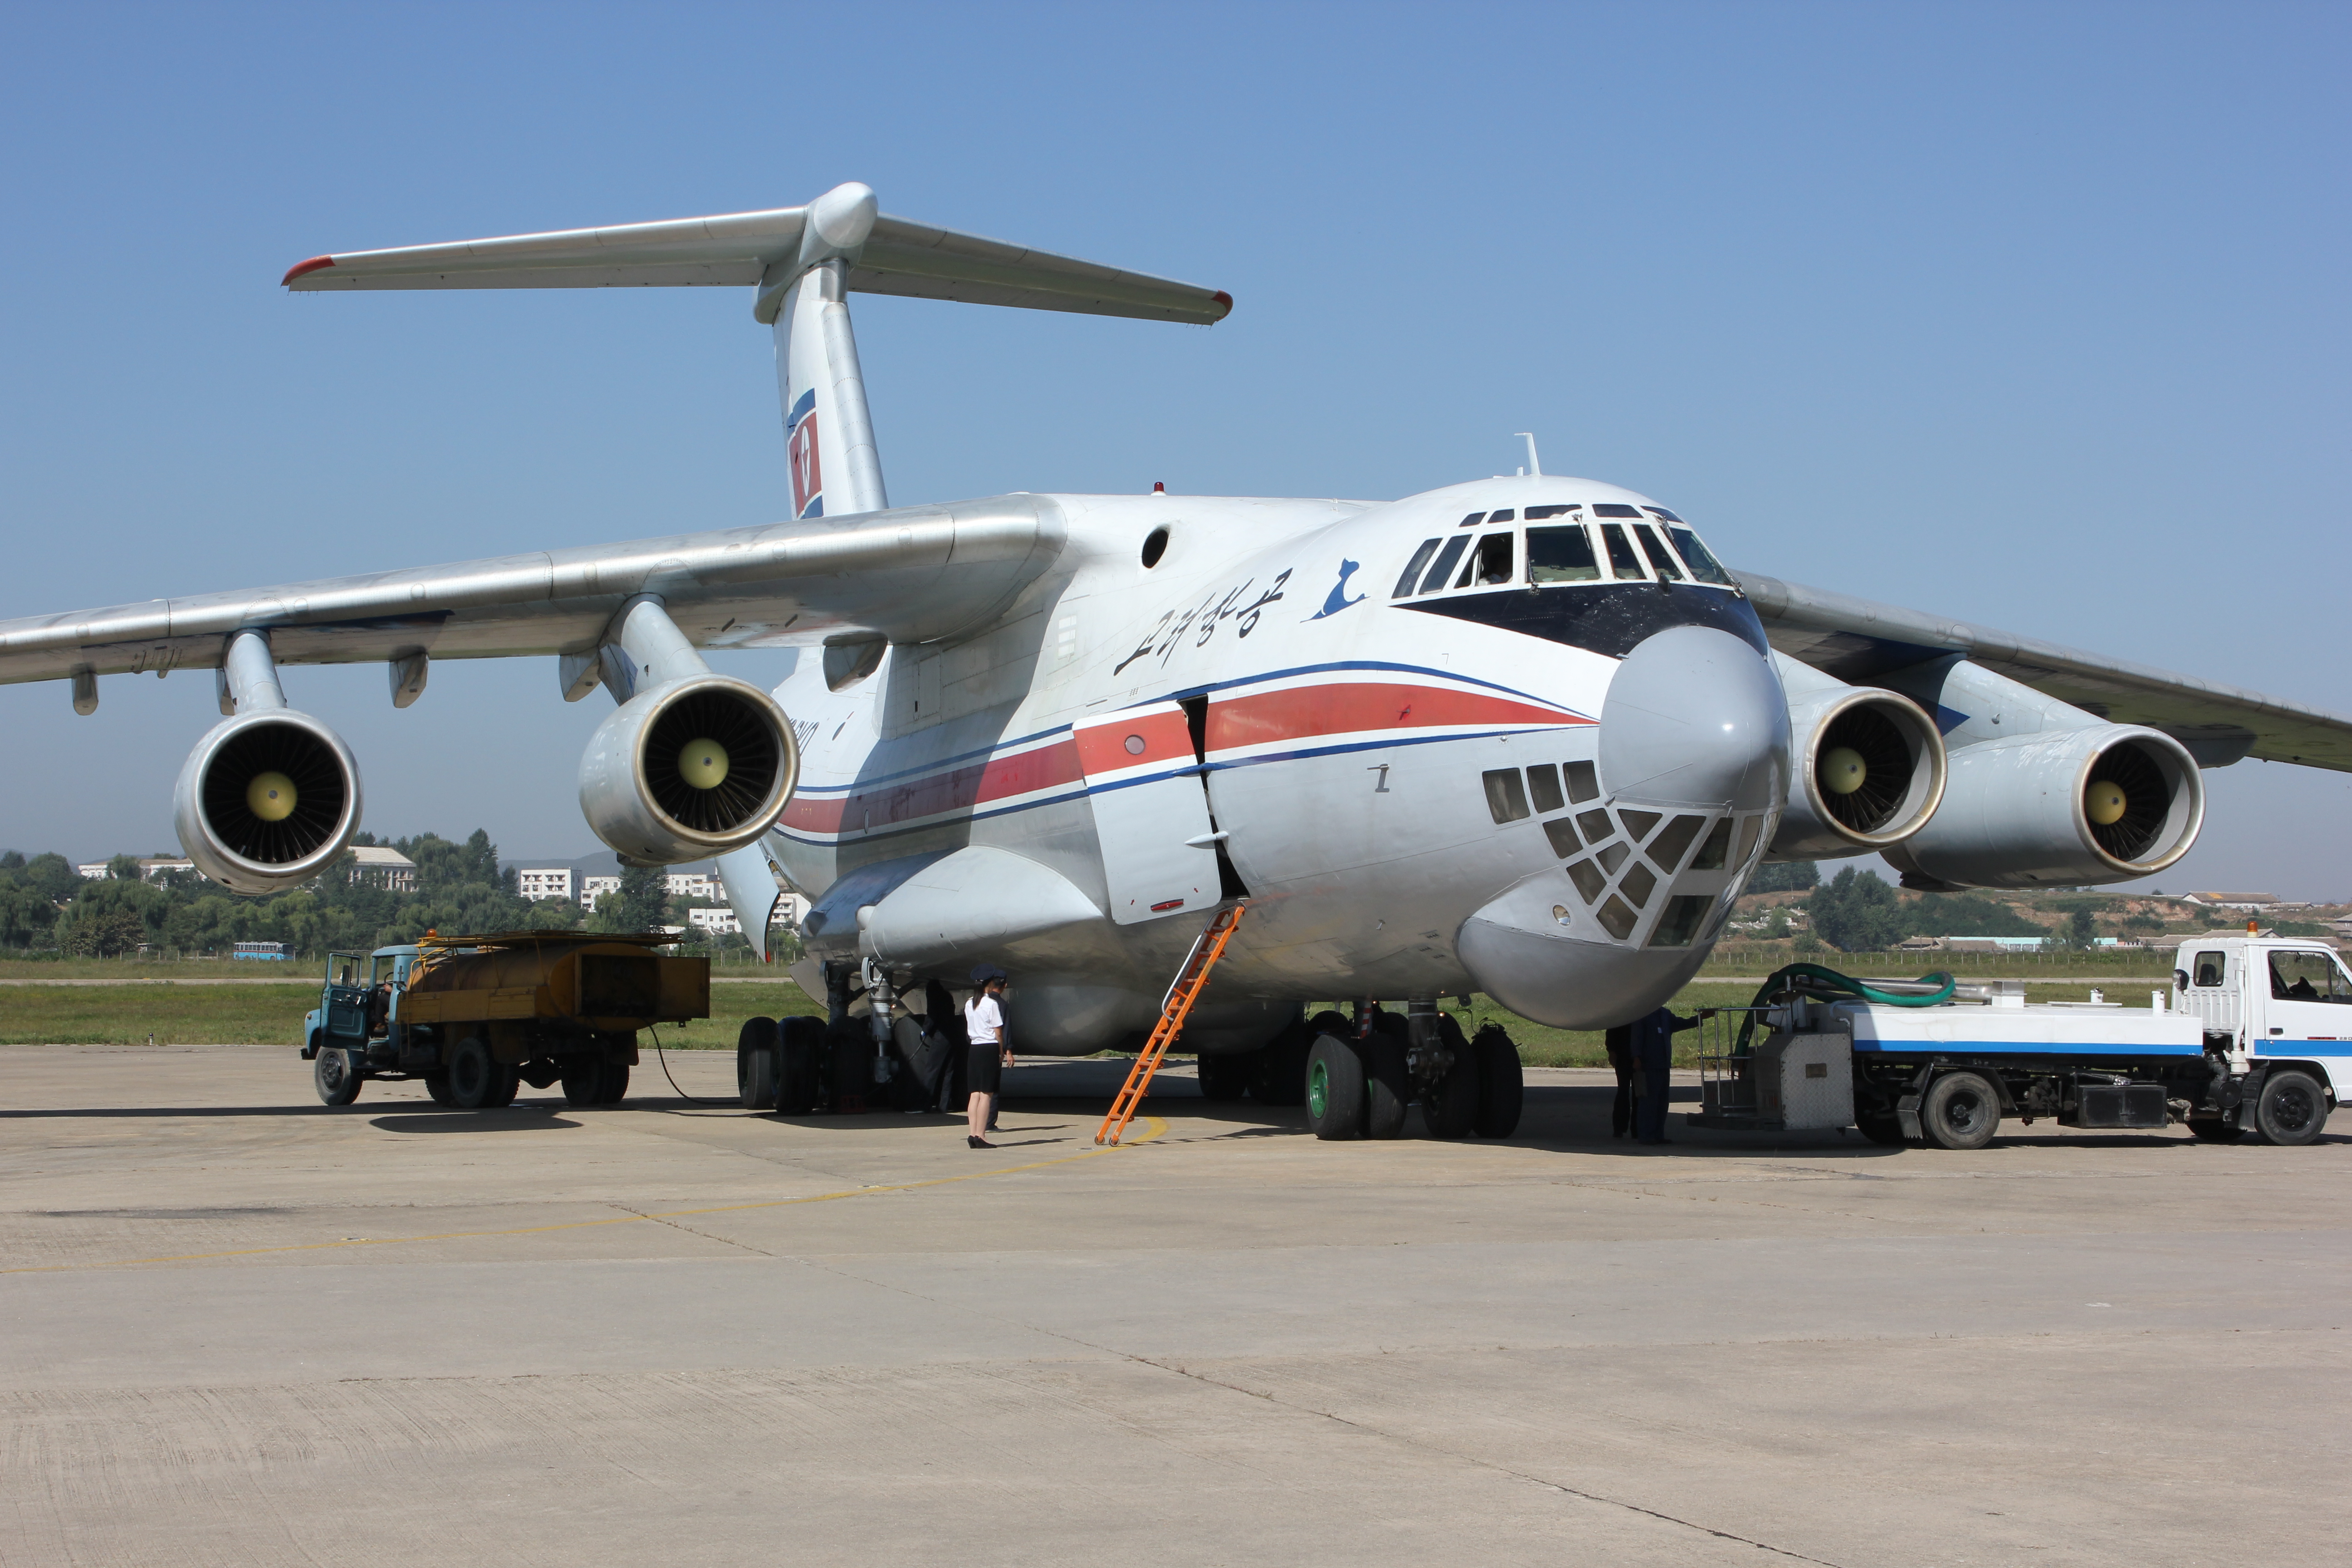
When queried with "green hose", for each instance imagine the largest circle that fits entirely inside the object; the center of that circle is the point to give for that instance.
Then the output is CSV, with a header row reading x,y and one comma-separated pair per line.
x,y
1830,981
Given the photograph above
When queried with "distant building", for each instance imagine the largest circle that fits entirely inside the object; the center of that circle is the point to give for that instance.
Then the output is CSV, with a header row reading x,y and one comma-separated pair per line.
x,y
150,868
689,885
376,866
544,882
593,887
719,921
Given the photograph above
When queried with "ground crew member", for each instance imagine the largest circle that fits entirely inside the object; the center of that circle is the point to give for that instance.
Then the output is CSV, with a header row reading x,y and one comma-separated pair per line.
x,y
1619,1042
991,1051
1654,1056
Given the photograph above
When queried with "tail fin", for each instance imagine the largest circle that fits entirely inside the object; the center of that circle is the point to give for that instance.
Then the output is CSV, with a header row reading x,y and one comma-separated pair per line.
x,y
805,262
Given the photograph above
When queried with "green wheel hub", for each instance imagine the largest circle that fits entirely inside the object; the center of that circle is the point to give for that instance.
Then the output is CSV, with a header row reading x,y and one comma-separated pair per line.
x,y
1318,1088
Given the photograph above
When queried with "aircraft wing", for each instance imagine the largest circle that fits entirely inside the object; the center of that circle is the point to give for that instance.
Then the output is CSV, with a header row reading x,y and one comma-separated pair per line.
x,y
1861,640
912,574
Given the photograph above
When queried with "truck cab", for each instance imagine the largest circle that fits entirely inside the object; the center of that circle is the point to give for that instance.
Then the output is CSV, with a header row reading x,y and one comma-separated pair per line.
x,y
2270,1006
355,1025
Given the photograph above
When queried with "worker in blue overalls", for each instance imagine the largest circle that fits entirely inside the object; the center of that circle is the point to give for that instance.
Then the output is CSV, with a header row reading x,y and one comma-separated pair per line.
x,y
1653,1056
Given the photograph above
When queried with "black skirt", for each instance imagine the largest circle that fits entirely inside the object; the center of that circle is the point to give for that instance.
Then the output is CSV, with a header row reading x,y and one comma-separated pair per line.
x,y
986,1068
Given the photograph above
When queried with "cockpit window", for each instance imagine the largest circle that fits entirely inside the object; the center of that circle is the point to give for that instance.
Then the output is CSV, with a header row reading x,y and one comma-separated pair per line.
x,y
1659,511
1472,521
1413,567
1445,565
1622,562
1535,513
1502,516
1660,557
1703,563
1493,560
1561,554
1611,508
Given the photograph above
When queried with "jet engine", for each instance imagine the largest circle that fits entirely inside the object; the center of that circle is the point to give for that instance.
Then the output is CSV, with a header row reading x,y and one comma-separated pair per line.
x,y
2103,803
688,769
268,800
1868,771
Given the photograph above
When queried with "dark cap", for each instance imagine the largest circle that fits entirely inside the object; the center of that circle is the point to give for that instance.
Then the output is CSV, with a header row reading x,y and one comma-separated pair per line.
x,y
983,974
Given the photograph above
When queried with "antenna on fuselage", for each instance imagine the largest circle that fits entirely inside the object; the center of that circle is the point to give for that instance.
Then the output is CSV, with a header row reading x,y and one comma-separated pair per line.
x,y
1534,465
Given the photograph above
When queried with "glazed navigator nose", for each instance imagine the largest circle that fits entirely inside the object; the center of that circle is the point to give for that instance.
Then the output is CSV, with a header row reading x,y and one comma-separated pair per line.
x,y
1696,716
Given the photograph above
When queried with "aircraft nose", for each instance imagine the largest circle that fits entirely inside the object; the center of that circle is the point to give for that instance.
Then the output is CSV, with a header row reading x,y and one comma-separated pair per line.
x,y
1696,716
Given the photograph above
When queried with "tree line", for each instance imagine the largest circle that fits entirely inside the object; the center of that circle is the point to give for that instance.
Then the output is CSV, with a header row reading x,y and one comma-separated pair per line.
x,y
47,904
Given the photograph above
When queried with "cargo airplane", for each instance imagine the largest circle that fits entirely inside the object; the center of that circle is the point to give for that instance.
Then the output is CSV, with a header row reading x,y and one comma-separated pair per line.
x,y
1526,736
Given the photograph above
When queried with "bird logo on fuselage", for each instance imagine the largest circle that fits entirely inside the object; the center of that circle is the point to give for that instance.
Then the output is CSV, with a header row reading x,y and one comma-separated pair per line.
x,y
1338,599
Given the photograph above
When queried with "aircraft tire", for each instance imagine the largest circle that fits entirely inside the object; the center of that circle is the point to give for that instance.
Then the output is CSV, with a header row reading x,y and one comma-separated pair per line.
x,y
800,1055
473,1074
2213,1130
1449,1108
1502,1083
1388,1086
335,1075
1960,1110
1335,1089
436,1084
2290,1111
1330,1021
1278,1076
1226,1078
757,1045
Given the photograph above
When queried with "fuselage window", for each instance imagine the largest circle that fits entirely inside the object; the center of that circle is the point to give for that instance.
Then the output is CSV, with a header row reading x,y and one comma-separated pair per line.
x,y
1561,554
1444,566
1660,557
2210,967
1412,568
1506,798
1543,784
1472,521
1716,850
1622,562
1701,560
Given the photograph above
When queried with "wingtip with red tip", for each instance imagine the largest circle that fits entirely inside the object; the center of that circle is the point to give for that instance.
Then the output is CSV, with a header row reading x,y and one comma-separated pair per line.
x,y
315,263
1222,297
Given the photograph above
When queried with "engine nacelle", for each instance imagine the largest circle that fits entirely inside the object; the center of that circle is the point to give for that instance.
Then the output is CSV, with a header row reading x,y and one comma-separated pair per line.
x,y
2104,803
1867,771
688,769
268,800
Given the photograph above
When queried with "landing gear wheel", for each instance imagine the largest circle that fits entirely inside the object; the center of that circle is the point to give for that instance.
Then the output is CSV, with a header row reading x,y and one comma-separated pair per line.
x,y
799,1056
1335,1089
436,1084
612,1083
1883,1127
2291,1109
1501,1086
1450,1106
1388,1084
1279,1073
335,1075
756,1050
1960,1110
473,1074
1224,1078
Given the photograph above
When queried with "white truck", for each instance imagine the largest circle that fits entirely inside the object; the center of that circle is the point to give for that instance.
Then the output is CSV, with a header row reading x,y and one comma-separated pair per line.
x,y
2254,1036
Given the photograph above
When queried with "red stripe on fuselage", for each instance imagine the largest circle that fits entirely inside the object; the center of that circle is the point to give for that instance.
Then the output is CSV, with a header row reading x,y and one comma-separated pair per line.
x,y
1306,712
964,789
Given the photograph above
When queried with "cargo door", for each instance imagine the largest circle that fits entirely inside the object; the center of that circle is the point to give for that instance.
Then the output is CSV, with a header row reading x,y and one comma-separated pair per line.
x,y
1151,815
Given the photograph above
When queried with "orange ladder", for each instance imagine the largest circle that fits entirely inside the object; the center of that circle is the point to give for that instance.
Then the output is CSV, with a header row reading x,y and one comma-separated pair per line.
x,y
1207,948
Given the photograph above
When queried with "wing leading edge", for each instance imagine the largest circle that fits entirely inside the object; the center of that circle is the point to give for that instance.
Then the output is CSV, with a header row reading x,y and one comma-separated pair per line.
x,y
1861,640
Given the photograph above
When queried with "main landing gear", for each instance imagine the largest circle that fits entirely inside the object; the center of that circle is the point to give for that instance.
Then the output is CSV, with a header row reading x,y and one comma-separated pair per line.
x,y
1359,1078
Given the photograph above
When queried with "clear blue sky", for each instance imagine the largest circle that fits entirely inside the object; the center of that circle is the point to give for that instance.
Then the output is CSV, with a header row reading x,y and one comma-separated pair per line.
x,y
2034,315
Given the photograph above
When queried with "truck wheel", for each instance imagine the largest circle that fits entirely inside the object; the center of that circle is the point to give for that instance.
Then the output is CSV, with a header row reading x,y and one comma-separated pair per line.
x,y
436,1084
583,1079
1224,1078
800,1056
1335,1089
612,1083
1502,1084
755,1064
1388,1084
2213,1130
1960,1110
335,1075
503,1086
2292,1110
473,1074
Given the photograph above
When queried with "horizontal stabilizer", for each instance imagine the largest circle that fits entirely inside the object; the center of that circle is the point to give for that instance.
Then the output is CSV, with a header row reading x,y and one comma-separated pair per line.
x,y
761,249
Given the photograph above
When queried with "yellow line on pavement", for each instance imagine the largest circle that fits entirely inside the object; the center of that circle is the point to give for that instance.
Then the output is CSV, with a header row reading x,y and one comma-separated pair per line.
x,y
1157,1126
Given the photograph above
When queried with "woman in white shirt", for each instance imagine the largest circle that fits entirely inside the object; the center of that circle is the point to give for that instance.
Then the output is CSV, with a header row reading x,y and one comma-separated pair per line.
x,y
992,1052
